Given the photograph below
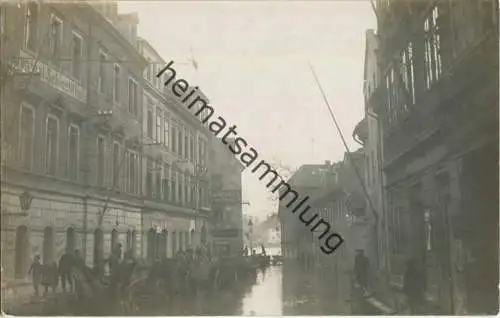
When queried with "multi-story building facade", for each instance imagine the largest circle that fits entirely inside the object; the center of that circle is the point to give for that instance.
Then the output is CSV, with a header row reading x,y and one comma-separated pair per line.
x,y
227,205
367,132
175,165
95,151
63,106
437,98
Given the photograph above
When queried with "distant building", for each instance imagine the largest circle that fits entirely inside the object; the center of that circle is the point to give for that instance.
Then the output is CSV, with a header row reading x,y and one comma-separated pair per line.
x,y
269,231
306,181
227,205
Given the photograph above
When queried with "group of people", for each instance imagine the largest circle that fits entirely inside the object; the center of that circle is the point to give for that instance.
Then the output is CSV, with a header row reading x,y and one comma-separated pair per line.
x,y
49,274
413,281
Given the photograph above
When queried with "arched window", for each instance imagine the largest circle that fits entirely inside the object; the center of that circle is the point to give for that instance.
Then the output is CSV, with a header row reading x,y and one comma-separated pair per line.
x,y
22,249
48,245
70,240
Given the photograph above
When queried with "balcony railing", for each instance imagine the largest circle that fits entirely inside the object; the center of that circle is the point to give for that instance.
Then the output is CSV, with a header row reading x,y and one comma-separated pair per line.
x,y
26,64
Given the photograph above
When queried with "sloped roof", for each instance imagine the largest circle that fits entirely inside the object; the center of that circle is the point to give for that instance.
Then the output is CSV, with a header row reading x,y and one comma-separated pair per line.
x,y
305,176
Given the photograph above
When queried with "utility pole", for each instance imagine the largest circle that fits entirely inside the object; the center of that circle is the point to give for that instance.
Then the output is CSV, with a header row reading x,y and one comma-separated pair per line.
x,y
349,154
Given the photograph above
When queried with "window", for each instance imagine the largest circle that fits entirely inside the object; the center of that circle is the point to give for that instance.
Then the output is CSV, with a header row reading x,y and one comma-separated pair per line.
x,y
149,123
179,143
27,136
166,182
31,27
149,177
116,162
408,75
186,144
396,229
51,146
193,192
180,184
101,81
132,97
101,148
76,59
73,152
158,190
201,151
174,139
116,83
174,186
125,171
392,96
55,38
137,175
187,182
166,131
432,54
133,173
148,70
192,148
158,125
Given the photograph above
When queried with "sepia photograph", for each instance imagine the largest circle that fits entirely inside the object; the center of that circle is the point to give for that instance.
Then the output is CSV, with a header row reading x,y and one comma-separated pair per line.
x,y
249,157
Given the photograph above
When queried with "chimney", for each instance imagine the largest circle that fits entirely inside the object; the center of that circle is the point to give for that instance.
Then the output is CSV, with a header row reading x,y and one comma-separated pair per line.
x,y
327,162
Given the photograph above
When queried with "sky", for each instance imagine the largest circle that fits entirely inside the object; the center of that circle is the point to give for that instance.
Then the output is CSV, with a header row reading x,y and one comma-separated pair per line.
x,y
253,64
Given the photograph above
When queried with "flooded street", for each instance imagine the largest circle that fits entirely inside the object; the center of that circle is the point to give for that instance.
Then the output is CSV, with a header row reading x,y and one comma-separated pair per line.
x,y
265,298
275,292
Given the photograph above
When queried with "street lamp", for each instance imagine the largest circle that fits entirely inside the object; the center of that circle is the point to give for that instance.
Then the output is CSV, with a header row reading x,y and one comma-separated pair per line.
x,y
25,201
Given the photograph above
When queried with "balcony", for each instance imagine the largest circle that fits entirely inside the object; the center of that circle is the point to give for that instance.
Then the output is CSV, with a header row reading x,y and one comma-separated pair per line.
x,y
27,65
360,132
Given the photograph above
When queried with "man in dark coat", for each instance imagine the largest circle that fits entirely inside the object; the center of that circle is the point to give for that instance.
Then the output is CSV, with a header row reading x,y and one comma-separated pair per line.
x,y
36,270
361,269
414,286
65,266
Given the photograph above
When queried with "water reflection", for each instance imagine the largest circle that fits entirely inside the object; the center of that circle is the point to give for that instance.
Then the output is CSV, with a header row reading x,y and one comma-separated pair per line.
x,y
265,297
